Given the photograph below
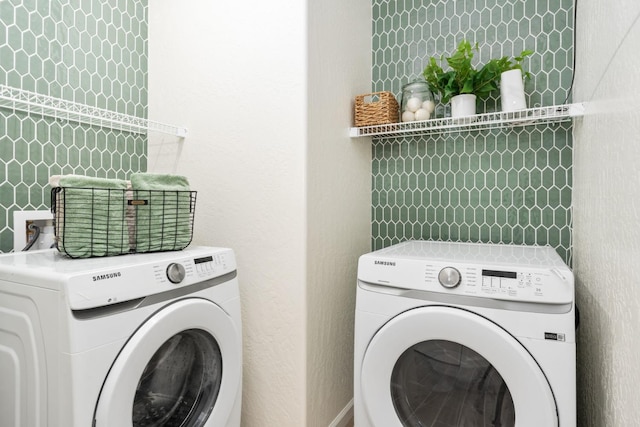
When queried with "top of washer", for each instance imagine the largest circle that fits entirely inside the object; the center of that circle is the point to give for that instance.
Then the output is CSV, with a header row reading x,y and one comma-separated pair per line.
x,y
94,282
534,274
50,262
496,254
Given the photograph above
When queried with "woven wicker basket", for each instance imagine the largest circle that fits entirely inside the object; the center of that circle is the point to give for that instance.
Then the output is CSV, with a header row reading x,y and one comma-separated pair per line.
x,y
376,108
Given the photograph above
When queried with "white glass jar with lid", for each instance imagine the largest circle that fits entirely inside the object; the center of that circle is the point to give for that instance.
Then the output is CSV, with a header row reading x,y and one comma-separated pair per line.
x,y
417,102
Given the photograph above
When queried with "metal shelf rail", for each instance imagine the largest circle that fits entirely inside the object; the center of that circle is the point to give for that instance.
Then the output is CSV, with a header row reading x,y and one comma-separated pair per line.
x,y
34,103
530,116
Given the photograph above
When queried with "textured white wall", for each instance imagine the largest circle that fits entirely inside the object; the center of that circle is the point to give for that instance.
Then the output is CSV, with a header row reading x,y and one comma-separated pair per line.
x,y
338,198
265,89
607,212
234,74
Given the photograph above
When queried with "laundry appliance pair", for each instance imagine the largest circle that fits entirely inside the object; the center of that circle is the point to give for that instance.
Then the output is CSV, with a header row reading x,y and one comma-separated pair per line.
x,y
461,334
130,341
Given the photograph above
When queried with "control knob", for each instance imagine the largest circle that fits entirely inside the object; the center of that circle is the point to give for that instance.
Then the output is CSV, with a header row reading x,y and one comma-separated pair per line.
x,y
175,272
449,277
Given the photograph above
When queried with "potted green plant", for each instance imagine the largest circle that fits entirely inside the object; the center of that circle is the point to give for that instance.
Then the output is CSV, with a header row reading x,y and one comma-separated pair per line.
x,y
463,83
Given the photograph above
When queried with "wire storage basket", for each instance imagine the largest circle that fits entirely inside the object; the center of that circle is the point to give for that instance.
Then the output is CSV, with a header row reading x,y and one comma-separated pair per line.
x,y
97,222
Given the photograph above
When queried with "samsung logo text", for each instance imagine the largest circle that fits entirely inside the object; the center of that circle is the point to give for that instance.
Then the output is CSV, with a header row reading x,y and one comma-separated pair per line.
x,y
107,276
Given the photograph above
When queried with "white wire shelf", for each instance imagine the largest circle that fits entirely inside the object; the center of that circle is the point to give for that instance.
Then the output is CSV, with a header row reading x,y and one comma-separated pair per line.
x,y
528,117
34,103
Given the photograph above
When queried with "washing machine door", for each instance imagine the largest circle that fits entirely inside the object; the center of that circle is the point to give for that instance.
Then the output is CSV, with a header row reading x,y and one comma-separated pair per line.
x,y
182,367
446,366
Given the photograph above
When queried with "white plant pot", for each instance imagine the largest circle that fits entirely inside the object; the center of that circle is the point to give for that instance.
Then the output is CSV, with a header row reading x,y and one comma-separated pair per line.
x,y
512,91
463,105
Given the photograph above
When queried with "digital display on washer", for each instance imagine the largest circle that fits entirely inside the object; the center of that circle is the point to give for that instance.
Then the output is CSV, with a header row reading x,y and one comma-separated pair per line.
x,y
497,273
203,259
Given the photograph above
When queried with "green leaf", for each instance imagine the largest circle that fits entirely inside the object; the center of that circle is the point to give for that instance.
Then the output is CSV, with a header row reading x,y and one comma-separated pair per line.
x,y
463,77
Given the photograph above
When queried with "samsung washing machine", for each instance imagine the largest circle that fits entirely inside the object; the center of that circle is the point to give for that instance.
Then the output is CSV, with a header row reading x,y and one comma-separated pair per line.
x,y
458,334
128,341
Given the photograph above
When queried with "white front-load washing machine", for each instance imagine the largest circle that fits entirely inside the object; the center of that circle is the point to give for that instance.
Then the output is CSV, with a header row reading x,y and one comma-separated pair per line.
x,y
462,334
129,341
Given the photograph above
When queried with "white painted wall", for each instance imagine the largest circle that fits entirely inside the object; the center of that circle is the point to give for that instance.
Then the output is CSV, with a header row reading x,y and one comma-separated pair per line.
x,y
265,89
607,212
339,198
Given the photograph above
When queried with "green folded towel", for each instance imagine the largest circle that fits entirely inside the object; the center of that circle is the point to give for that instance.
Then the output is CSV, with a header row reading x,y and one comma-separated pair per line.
x,y
163,212
79,181
164,182
90,216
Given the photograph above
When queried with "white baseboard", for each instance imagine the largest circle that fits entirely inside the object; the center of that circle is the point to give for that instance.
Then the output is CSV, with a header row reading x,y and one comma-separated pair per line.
x,y
344,417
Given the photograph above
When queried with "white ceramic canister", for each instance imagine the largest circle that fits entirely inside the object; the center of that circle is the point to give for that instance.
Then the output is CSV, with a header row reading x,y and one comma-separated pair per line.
x,y
512,91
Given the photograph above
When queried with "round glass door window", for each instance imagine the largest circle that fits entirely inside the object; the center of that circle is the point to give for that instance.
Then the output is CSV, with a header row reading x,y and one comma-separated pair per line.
x,y
180,384
442,383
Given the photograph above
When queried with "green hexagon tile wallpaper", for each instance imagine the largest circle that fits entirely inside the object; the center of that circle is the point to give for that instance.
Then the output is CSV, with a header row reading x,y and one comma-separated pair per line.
x,y
506,185
87,52
509,185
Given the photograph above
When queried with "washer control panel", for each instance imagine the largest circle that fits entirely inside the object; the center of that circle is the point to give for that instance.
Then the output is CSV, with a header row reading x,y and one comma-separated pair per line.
x,y
523,284
526,283
209,265
137,276
192,270
513,283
